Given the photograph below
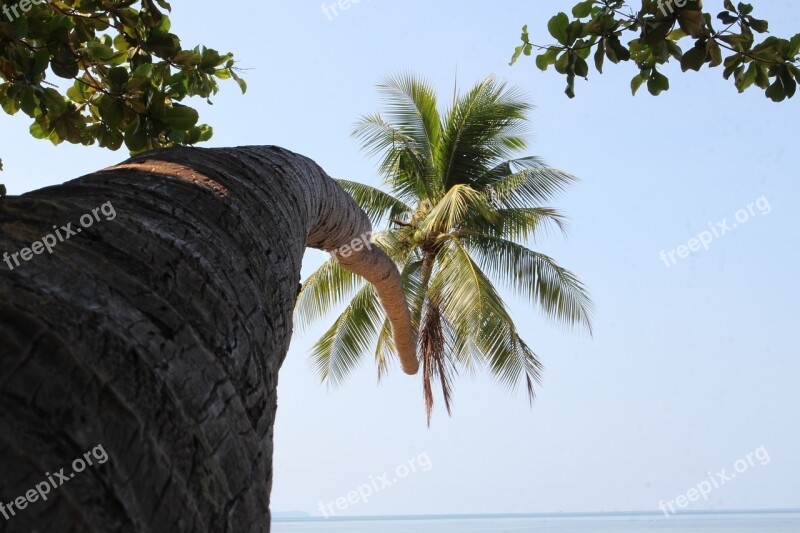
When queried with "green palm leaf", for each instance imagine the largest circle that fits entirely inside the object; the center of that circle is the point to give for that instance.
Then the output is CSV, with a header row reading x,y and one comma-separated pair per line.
x,y
331,285
481,129
339,350
378,205
470,301
403,164
456,205
412,108
516,223
556,290
512,166
530,186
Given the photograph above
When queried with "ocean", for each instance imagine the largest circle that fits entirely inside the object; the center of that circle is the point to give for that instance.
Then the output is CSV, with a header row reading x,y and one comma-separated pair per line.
x,y
696,522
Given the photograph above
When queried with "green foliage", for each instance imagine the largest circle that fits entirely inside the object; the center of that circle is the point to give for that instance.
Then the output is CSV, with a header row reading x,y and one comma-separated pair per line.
x,y
126,73
660,25
459,213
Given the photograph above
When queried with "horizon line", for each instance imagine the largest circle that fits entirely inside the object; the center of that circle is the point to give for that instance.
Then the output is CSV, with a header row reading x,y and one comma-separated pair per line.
x,y
555,514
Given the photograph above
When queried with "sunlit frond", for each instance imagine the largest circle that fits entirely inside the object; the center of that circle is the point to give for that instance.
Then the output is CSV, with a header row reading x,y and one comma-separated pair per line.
x,y
517,224
482,128
501,349
411,107
378,205
512,166
340,349
389,241
557,291
452,210
330,285
478,313
403,165
531,186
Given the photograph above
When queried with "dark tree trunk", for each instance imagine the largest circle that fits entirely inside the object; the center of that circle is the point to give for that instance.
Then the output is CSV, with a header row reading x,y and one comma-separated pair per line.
x,y
157,336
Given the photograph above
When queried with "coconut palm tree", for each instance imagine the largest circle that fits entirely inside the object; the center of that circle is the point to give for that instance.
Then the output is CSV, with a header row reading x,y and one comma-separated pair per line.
x,y
462,205
155,330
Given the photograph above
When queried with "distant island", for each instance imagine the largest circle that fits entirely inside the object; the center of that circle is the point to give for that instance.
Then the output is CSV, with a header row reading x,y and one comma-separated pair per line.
x,y
288,515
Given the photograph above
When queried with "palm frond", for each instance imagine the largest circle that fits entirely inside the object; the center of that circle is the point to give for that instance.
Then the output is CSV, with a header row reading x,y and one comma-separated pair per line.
x,y
412,109
403,165
512,166
482,128
385,350
378,205
503,351
517,224
339,350
474,308
330,285
530,187
452,210
557,291
389,241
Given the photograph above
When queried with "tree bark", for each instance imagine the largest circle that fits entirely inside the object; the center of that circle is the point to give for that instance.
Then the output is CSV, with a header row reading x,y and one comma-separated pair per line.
x,y
158,335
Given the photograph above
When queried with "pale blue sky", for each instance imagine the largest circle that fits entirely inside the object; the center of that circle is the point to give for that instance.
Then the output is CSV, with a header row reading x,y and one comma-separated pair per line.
x,y
691,367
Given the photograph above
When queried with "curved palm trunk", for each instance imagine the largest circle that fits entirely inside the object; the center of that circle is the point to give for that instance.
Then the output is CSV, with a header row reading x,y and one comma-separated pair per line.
x,y
156,336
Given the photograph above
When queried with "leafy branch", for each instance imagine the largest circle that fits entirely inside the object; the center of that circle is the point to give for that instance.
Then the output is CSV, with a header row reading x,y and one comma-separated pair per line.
x,y
660,25
129,74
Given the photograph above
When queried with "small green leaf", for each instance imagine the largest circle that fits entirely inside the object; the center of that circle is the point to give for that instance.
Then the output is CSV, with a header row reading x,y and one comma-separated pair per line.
x,y
558,28
546,59
239,81
762,80
637,82
583,9
657,83
180,117
599,56
570,90
761,26
747,79
714,53
694,58
776,91
581,68
112,111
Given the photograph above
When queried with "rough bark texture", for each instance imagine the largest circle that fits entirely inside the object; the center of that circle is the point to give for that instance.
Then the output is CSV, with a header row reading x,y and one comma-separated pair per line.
x,y
157,335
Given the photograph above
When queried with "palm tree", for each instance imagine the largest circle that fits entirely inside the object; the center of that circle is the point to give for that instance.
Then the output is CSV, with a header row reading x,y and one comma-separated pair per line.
x,y
461,208
157,335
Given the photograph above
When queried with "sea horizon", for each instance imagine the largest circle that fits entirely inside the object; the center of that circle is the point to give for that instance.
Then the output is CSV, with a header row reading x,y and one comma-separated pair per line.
x,y
284,515
699,521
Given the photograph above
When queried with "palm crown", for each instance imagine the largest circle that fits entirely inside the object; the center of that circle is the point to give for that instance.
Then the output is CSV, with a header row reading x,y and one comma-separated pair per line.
x,y
459,214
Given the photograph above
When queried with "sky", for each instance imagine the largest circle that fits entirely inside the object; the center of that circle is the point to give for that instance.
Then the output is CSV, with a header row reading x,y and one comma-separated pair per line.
x,y
689,382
